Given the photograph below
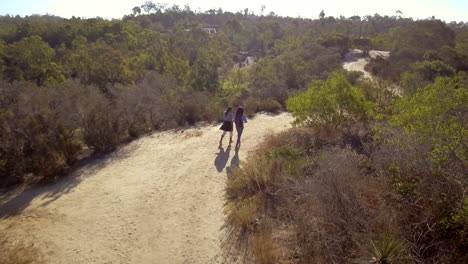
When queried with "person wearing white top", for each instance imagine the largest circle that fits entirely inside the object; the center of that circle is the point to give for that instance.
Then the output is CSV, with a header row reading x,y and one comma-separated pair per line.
x,y
228,118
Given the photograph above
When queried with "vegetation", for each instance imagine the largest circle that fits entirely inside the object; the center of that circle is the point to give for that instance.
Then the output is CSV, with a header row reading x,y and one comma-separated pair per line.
x,y
421,52
348,187
76,86
19,253
330,103
365,176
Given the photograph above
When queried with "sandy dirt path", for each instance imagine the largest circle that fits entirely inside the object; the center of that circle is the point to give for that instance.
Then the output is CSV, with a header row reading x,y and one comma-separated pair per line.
x,y
354,62
158,199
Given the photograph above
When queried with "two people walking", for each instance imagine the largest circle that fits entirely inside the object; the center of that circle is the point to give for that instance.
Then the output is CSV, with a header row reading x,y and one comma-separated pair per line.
x,y
229,118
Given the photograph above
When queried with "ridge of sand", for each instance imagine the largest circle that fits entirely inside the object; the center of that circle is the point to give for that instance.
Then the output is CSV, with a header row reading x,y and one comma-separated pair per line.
x,y
355,62
158,199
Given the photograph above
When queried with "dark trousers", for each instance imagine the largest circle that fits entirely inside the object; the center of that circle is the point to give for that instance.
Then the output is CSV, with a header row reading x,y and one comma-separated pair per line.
x,y
239,129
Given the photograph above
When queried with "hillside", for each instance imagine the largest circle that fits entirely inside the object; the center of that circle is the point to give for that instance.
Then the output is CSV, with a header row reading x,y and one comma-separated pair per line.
x,y
157,200
92,118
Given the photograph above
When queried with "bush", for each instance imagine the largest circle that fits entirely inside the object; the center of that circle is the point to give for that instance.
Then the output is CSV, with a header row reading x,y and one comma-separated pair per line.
x,y
319,201
39,135
429,195
43,130
330,103
437,114
103,127
423,73
424,155
270,105
194,109
251,106
299,184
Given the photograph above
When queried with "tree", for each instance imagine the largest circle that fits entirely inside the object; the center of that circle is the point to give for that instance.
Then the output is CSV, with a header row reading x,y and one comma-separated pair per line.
x,y
461,48
322,15
136,10
205,72
262,8
398,14
109,66
268,81
148,7
424,73
31,59
340,41
420,36
99,64
25,30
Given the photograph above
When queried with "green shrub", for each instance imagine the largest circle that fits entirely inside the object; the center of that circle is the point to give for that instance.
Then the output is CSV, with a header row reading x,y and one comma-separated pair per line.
x,y
330,103
386,250
456,225
270,105
436,115
295,160
423,73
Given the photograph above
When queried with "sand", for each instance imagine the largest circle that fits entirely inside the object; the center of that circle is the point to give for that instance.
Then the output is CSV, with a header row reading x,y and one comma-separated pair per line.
x,y
354,62
159,199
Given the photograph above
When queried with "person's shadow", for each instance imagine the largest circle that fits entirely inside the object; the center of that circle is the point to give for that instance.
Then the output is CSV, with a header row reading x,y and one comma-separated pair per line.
x,y
235,163
222,157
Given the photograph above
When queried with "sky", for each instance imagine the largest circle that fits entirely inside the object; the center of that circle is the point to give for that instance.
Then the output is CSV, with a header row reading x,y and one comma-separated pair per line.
x,y
448,10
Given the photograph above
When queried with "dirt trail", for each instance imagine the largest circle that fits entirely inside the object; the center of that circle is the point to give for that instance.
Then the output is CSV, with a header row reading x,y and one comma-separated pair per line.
x,y
159,199
355,62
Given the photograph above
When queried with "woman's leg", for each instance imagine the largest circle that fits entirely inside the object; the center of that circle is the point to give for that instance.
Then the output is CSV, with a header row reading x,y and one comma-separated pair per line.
x,y
222,135
230,138
239,133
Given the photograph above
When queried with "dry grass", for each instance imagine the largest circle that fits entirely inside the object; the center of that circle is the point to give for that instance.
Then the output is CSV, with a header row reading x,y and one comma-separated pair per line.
x,y
20,253
332,203
193,133
339,208
265,249
242,215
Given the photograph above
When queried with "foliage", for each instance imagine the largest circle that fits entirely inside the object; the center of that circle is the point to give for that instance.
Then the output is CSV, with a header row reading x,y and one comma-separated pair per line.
x,y
31,59
71,87
420,52
321,202
270,105
291,179
339,41
45,129
457,223
437,114
386,250
330,103
424,73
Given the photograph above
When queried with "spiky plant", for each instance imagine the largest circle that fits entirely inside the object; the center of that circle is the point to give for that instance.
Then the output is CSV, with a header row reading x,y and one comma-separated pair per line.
x,y
386,250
